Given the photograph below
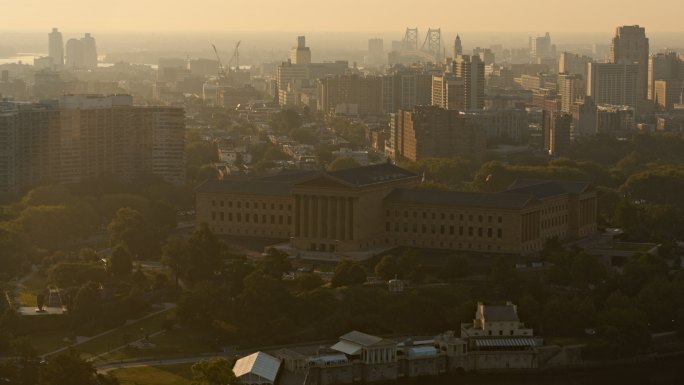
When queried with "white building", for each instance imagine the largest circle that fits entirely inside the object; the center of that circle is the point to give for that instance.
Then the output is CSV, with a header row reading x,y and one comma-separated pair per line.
x,y
257,369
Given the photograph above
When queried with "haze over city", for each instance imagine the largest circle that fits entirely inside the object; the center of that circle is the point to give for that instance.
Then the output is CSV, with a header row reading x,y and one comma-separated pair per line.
x,y
339,193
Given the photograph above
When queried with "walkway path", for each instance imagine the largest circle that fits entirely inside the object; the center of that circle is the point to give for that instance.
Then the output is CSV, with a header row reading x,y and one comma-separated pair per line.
x,y
19,286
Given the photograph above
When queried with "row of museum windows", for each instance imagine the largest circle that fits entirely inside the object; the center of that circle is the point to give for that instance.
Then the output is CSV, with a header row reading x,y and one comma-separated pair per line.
x,y
443,216
254,205
254,218
442,230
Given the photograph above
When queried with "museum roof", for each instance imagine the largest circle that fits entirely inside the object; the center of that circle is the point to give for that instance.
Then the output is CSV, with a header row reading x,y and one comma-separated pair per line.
x,y
247,186
544,189
500,313
260,364
472,199
373,174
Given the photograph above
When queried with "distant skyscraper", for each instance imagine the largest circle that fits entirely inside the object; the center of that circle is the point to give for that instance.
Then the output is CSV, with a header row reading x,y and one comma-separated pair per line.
x,y
375,46
89,51
471,70
74,53
301,54
56,47
447,91
541,46
630,46
458,48
81,53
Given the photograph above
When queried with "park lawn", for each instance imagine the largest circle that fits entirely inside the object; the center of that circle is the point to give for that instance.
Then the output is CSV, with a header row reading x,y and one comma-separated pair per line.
x,y
179,374
133,331
177,343
48,341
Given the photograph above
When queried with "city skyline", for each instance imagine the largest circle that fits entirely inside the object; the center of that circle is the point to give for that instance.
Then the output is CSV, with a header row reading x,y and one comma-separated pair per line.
x,y
496,15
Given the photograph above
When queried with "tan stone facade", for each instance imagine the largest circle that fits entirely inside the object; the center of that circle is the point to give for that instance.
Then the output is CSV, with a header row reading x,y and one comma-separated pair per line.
x,y
375,207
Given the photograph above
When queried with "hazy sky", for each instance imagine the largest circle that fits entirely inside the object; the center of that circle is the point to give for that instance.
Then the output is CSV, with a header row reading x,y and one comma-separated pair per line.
x,y
341,15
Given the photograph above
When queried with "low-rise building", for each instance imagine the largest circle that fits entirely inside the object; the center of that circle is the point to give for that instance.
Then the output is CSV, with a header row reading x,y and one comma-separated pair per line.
x,y
378,207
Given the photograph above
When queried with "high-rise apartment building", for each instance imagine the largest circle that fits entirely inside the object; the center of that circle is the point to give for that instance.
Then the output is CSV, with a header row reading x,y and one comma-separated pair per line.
x,y
573,64
84,136
663,66
669,92
448,91
431,131
470,69
362,95
56,48
406,88
570,87
556,128
615,84
81,53
630,46
583,117
301,54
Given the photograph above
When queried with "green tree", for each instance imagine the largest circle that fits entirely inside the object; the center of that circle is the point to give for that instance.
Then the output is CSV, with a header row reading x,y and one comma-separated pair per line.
x,y
68,369
214,371
387,268
342,163
121,261
131,229
176,256
275,263
286,120
309,281
87,305
206,254
348,273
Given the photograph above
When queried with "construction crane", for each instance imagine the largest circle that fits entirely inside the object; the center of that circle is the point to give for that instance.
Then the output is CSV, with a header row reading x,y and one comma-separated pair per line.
x,y
221,68
236,57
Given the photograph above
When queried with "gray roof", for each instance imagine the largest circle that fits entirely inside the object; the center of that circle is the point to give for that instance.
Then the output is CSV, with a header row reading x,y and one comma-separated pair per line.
x,y
249,186
544,189
370,175
363,339
471,199
500,313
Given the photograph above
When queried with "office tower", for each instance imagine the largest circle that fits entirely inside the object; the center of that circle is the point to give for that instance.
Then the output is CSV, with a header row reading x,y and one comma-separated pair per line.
x,y
431,131
573,64
471,70
89,52
447,91
615,84
301,54
668,92
354,94
630,46
56,48
84,136
556,126
663,66
501,123
570,87
458,48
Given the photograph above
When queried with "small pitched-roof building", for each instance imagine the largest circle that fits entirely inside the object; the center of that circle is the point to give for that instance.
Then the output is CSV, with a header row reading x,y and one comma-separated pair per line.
x,y
370,208
257,369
